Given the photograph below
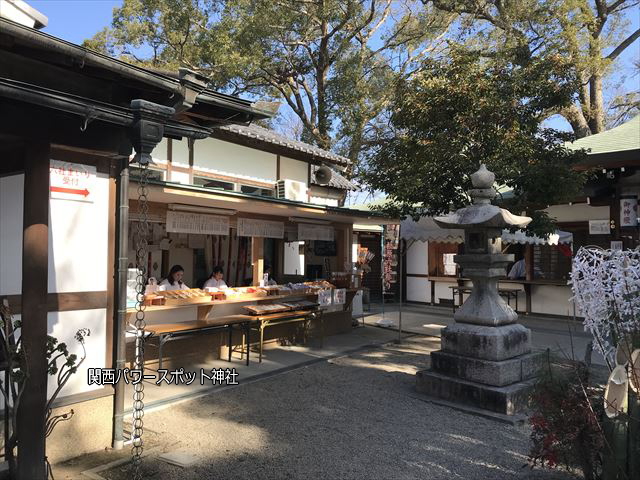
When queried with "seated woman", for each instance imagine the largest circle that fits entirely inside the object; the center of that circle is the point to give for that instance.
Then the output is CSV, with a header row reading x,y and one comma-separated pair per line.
x,y
215,279
174,279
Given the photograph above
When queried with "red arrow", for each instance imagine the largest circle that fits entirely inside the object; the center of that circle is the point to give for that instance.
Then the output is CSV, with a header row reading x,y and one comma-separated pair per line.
x,y
73,191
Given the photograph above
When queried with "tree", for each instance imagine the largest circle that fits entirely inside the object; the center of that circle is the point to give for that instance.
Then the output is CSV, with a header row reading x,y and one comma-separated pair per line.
x,y
333,62
590,34
16,374
458,113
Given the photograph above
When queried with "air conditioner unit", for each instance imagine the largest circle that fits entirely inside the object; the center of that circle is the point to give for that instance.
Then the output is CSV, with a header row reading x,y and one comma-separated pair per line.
x,y
292,190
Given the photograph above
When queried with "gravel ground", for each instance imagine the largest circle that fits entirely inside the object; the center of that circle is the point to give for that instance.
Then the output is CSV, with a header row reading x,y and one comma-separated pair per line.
x,y
356,417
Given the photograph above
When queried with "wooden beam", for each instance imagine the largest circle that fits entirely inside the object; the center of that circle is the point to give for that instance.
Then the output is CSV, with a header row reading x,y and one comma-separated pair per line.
x,y
257,259
65,302
35,256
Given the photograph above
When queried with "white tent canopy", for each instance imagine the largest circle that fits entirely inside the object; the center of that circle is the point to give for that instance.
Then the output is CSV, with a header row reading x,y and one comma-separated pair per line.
x,y
427,230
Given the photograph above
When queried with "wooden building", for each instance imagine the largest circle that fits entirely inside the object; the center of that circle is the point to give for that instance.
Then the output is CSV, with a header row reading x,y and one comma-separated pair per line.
x,y
72,122
605,216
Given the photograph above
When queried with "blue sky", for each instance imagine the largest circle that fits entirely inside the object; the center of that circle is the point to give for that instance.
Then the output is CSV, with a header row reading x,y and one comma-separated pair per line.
x,y
75,20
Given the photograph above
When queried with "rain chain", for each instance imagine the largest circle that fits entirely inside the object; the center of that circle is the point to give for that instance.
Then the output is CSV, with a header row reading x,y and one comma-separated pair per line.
x,y
142,235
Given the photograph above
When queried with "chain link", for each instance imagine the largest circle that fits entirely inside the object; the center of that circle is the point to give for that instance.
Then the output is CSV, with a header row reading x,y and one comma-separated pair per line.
x,y
142,235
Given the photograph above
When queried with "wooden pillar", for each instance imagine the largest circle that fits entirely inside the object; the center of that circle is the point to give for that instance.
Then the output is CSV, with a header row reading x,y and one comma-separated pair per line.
x,y
257,259
35,245
529,277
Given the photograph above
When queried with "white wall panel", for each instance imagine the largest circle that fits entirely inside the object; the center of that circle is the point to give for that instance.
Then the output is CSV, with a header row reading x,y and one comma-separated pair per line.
x,y
291,169
578,212
550,299
180,152
63,326
418,289
231,159
443,291
418,258
11,202
78,242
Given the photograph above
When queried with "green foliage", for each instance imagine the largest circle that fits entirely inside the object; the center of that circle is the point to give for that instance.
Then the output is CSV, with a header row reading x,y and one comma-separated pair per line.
x,y
589,35
458,113
333,62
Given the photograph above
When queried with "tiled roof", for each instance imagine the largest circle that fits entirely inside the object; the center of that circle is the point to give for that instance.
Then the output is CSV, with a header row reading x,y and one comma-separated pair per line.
x,y
274,138
337,180
621,138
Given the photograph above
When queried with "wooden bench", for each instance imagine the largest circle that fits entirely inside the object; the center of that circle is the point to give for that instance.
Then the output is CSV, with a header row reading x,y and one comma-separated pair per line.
x,y
169,331
281,318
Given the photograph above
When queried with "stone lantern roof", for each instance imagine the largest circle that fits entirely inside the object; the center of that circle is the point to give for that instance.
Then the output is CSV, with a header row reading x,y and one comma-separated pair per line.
x,y
482,213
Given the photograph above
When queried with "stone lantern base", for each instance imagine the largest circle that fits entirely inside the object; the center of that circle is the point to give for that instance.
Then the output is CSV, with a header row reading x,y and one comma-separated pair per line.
x,y
487,367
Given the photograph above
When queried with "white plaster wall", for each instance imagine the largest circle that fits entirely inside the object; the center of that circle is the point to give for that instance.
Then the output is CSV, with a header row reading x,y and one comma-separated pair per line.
x,y
180,152
418,258
418,289
442,290
332,202
78,242
161,150
550,299
78,247
231,159
63,326
180,177
578,212
291,169
11,200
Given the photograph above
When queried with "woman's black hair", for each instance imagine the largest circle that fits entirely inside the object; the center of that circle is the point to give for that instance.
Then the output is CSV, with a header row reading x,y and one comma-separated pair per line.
x,y
216,269
172,272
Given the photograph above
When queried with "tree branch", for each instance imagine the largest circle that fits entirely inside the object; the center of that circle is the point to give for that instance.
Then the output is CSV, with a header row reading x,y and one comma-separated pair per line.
x,y
621,48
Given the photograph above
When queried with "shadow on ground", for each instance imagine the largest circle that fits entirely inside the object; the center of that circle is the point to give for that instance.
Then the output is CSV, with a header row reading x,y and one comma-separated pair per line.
x,y
353,417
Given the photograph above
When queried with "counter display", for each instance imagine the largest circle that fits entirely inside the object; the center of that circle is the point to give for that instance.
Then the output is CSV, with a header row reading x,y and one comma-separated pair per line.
x,y
163,300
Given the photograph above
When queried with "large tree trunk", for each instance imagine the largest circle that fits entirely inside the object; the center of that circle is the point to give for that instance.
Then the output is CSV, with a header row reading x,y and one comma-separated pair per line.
x,y
596,119
577,120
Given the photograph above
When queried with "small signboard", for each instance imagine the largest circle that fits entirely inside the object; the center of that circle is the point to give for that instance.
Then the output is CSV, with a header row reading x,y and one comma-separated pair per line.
x,y
315,232
339,296
71,181
196,223
248,227
599,227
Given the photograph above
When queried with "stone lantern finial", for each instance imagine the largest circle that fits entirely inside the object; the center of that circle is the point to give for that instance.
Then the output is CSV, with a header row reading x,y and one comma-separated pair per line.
x,y
483,191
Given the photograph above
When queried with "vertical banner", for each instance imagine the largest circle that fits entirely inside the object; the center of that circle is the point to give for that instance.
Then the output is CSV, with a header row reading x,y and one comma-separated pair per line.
x,y
628,211
390,258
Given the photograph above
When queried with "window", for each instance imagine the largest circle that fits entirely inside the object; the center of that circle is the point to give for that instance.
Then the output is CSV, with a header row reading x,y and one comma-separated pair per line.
x,y
551,262
212,183
263,192
441,259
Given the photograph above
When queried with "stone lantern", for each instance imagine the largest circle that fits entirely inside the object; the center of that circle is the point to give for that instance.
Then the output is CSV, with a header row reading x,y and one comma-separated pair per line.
x,y
485,359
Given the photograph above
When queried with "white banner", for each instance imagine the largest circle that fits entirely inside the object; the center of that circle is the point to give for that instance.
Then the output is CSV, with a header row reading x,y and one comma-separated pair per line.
x,y
197,223
628,211
315,232
71,181
248,227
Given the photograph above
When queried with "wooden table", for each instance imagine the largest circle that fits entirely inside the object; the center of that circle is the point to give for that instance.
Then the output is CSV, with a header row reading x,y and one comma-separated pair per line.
x,y
281,318
169,331
509,293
